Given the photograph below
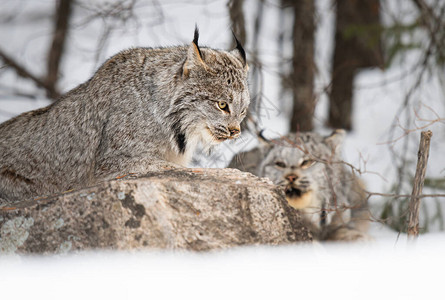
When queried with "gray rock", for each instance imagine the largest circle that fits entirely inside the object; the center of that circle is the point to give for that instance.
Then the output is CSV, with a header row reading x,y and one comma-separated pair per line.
x,y
193,209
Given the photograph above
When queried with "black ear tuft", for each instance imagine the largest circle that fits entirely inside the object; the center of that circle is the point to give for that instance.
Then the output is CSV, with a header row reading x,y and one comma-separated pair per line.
x,y
195,40
262,138
240,48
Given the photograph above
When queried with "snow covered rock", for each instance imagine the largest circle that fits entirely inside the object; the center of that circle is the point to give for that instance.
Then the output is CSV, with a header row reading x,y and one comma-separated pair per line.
x,y
192,209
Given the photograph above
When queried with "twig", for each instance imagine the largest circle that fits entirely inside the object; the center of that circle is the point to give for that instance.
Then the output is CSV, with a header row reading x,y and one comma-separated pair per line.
x,y
414,204
371,194
21,71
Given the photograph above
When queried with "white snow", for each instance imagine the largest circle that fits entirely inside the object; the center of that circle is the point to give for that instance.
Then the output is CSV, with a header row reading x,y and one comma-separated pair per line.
x,y
385,270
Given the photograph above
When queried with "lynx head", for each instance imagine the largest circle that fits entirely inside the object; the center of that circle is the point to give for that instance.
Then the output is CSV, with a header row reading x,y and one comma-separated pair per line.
x,y
299,163
217,91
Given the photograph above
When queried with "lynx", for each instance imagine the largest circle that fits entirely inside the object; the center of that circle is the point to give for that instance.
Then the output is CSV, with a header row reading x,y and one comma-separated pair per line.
x,y
308,167
144,109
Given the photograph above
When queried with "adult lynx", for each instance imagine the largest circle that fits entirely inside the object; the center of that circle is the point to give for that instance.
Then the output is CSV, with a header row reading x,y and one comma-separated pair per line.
x,y
308,167
144,109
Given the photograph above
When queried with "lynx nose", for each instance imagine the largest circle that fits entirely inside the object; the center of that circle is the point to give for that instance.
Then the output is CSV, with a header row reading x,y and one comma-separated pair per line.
x,y
291,177
234,131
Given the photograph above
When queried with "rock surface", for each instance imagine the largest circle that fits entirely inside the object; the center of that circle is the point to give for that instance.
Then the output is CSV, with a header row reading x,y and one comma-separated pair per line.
x,y
193,209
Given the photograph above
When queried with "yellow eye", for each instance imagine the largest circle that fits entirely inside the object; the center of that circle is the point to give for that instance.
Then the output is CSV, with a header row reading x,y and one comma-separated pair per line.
x,y
222,105
307,163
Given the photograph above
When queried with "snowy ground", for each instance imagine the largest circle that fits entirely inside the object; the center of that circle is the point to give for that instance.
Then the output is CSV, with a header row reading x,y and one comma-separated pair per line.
x,y
385,270
319,271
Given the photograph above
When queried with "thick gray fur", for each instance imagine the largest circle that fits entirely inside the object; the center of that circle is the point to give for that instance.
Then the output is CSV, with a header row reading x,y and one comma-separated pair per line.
x,y
144,109
309,168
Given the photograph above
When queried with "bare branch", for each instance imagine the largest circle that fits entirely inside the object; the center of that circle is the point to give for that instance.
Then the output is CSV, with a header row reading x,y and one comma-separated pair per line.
x,y
370,194
414,205
407,131
21,71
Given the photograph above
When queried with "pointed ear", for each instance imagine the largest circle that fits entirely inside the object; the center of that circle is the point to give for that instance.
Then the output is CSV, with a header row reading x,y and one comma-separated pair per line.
x,y
194,56
239,52
335,140
262,139
264,144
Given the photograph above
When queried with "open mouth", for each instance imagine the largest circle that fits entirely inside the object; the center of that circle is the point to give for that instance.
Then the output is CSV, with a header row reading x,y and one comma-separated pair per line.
x,y
297,198
292,192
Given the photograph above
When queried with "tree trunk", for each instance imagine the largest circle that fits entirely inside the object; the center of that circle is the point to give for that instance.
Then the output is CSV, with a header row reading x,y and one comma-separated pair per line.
x,y
301,79
357,45
63,13
237,19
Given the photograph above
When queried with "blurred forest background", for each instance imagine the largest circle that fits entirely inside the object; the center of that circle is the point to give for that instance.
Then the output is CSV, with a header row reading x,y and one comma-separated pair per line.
x,y
375,68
